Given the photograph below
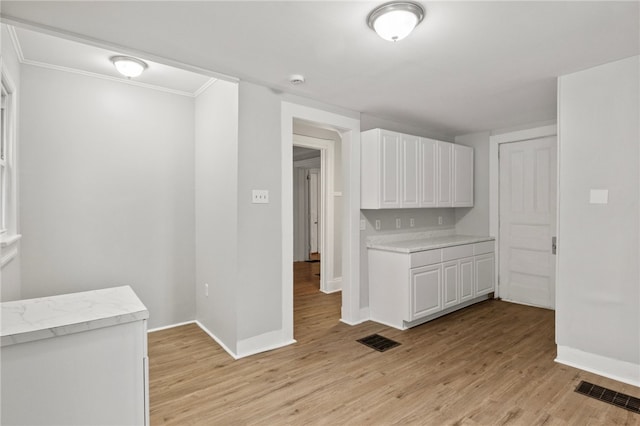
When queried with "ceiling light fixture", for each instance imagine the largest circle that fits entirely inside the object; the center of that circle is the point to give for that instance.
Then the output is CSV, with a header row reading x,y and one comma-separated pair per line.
x,y
395,20
128,66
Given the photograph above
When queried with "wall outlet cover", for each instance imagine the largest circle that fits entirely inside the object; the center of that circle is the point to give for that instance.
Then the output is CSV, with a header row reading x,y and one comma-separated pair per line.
x,y
260,196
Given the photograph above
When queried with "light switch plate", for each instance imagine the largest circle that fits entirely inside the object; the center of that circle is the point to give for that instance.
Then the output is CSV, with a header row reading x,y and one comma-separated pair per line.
x,y
363,224
260,196
599,196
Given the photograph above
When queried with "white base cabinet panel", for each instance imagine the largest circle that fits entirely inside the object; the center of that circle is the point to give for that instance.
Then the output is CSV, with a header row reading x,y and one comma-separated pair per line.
x,y
96,377
407,289
426,285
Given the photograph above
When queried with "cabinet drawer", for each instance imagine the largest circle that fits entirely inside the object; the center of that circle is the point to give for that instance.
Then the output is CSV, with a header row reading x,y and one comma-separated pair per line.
x,y
428,257
457,252
482,248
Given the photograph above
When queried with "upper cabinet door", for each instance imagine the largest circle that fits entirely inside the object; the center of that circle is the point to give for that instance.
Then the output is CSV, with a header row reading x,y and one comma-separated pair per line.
x,y
403,171
410,171
429,172
445,185
390,167
462,176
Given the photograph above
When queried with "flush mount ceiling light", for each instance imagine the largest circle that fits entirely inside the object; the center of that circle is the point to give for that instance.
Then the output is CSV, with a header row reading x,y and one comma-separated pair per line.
x,y
395,20
128,66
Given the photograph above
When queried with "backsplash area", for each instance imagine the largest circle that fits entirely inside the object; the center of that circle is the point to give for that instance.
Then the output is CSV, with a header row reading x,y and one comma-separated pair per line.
x,y
422,218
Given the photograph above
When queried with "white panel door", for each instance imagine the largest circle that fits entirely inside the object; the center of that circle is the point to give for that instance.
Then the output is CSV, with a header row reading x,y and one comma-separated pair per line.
x,y
484,267
314,210
410,171
445,174
429,172
390,167
466,278
528,221
425,297
450,276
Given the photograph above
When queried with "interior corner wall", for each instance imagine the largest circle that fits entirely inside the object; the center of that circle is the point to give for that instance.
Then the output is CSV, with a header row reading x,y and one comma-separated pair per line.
x,y
598,299
475,220
216,211
11,288
107,190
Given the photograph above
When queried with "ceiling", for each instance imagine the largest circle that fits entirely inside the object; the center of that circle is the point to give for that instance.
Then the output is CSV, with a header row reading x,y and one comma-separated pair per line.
x,y
41,49
470,66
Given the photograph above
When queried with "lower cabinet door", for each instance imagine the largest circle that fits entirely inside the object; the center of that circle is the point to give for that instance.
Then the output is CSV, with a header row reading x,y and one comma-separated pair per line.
x,y
466,278
450,277
484,266
425,297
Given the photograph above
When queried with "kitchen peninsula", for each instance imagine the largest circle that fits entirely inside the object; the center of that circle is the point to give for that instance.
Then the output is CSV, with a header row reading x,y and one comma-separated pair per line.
x,y
75,359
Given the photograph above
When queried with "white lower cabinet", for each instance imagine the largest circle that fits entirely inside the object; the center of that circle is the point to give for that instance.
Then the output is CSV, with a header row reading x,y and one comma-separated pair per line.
x,y
484,271
451,275
426,285
407,289
466,278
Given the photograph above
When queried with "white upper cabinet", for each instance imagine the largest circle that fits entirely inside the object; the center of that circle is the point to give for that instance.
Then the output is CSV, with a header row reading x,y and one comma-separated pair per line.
x,y
403,171
410,171
462,176
445,183
429,172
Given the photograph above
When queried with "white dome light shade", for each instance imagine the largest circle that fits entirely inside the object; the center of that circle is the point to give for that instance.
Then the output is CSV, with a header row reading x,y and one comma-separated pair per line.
x,y
127,66
394,21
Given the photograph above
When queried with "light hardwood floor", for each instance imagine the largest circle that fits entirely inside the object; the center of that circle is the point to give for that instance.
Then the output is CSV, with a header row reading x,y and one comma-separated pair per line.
x,y
491,363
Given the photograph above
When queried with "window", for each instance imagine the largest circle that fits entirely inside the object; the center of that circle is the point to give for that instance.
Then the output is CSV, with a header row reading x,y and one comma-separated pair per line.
x,y
4,163
8,188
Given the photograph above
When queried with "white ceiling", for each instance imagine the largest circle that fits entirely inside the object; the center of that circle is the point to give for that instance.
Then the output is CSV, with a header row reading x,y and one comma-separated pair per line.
x,y
41,49
469,66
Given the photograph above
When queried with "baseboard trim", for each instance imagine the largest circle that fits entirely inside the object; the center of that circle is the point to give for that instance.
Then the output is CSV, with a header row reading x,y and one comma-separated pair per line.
x,y
166,327
263,343
363,317
622,371
333,286
218,341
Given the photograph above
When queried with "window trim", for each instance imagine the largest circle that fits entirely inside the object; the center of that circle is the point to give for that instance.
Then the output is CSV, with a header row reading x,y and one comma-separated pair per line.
x,y
9,235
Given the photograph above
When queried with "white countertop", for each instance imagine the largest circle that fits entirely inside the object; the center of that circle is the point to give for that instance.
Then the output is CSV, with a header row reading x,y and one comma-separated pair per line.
x,y
35,319
412,245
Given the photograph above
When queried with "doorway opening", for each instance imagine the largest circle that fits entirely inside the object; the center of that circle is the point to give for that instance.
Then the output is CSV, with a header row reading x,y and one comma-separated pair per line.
x,y
347,250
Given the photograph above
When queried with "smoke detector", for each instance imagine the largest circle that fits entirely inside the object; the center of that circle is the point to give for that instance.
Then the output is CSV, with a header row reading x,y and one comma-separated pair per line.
x,y
296,79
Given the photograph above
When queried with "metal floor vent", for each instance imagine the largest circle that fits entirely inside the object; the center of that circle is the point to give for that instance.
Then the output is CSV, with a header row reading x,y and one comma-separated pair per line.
x,y
377,342
621,400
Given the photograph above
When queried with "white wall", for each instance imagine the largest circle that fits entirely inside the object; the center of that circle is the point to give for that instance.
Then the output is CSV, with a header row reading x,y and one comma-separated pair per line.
x,y
107,190
10,279
216,209
475,220
598,299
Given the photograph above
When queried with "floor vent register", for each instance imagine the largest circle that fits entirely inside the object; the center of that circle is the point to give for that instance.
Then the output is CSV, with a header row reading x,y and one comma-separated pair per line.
x,y
618,399
379,343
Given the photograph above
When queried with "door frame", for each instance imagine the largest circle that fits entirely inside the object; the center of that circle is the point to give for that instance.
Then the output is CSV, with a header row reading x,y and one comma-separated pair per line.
x,y
494,183
349,130
329,283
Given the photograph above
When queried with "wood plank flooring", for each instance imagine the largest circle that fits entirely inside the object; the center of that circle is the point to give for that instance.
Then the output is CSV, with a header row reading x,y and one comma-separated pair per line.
x,y
489,364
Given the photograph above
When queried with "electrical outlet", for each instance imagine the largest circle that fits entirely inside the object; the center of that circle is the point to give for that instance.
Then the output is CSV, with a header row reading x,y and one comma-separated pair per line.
x,y
439,220
398,223
363,224
377,224
260,196
412,222
206,290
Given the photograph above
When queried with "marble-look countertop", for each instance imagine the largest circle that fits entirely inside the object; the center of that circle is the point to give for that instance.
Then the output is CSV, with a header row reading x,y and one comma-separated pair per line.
x,y
412,245
35,319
